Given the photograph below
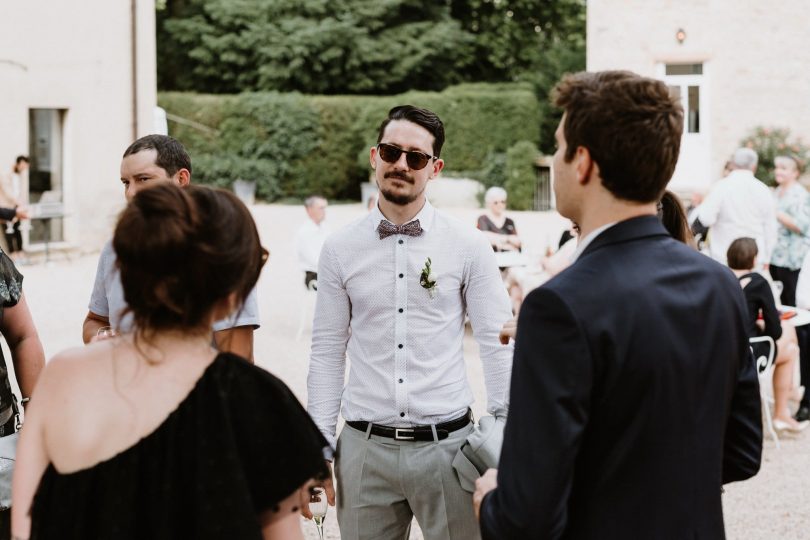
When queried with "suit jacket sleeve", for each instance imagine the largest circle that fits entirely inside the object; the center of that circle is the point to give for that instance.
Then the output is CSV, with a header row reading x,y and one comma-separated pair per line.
x,y
550,394
742,450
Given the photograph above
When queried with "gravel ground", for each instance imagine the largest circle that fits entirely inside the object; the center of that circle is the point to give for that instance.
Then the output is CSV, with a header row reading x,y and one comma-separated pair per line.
x,y
772,505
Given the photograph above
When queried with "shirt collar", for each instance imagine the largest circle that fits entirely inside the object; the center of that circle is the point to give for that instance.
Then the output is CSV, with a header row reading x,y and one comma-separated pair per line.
x,y
425,216
584,242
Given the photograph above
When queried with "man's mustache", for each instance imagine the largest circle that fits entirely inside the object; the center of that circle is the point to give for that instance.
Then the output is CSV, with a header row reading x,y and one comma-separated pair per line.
x,y
400,175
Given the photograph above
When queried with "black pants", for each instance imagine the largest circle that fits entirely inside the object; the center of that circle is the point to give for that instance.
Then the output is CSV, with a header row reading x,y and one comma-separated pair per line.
x,y
14,238
311,280
789,279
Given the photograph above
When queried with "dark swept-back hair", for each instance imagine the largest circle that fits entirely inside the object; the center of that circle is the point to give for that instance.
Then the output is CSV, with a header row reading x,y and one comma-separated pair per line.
x,y
422,117
176,259
171,155
741,253
630,125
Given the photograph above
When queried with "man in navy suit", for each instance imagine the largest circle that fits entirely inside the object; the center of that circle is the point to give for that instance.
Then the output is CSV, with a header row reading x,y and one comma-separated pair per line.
x,y
634,396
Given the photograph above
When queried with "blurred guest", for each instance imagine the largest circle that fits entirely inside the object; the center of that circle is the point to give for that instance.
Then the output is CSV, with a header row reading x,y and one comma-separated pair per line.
x,y
10,193
499,229
803,335
502,234
673,217
793,214
739,205
309,239
742,256
156,434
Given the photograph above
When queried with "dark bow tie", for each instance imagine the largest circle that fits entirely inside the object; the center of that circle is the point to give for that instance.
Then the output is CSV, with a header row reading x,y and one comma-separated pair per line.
x,y
386,228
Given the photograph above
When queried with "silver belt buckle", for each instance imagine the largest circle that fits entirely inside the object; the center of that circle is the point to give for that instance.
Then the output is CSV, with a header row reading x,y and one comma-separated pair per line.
x,y
399,437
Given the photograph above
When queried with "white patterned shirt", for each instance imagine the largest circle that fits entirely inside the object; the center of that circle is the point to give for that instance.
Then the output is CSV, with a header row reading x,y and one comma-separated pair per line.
x,y
404,347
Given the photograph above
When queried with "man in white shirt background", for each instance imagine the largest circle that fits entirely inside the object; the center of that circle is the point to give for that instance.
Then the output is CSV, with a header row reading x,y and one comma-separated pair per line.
x,y
739,205
393,290
309,239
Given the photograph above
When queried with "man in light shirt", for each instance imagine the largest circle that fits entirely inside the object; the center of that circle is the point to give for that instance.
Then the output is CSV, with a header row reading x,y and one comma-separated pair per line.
x,y
739,206
309,239
393,291
151,159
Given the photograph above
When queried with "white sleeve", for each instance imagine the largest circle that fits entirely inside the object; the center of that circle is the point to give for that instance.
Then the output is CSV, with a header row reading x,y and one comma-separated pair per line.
x,y
770,228
708,211
803,286
330,334
488,308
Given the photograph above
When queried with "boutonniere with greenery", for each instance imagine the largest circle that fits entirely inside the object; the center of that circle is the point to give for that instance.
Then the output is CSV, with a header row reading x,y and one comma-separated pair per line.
x,y
427,279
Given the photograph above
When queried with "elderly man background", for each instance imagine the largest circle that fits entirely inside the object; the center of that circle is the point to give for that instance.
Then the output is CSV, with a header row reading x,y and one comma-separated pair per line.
x,y
739,206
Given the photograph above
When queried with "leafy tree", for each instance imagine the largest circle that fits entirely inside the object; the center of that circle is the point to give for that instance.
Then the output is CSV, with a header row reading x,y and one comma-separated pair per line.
x,y
357,46
316,46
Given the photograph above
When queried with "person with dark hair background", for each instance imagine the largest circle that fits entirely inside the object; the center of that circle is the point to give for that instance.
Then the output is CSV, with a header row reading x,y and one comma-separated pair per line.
x,y
147,161
11,211
118,441
742,259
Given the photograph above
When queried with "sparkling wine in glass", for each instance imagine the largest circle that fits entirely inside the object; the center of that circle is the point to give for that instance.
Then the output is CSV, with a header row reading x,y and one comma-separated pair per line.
x,y
317,505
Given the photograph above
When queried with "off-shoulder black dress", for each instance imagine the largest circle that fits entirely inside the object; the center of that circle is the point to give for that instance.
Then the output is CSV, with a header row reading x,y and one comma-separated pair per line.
x,y
237,445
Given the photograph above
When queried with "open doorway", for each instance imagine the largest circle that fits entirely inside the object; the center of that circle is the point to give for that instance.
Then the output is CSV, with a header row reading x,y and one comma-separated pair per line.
x,y
45,174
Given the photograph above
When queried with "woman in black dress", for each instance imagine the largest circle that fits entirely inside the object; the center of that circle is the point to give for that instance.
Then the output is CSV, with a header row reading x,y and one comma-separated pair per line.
x,y
502,234
741,256
155,434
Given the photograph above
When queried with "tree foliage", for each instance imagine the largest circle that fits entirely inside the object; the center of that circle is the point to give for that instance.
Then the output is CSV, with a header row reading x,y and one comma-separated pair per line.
x,y
357,46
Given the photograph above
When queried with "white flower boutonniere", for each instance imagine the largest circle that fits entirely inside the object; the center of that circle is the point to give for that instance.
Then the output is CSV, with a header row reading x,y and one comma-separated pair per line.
x,y
428,280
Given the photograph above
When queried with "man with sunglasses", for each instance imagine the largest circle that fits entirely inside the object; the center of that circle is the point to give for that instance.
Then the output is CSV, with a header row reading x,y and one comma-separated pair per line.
x,y
393,291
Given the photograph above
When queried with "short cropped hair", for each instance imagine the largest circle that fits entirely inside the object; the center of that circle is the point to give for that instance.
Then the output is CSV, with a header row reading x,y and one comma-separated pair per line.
x,y
744,158
312,199
421,117
495,192
742,253
631,126
171,155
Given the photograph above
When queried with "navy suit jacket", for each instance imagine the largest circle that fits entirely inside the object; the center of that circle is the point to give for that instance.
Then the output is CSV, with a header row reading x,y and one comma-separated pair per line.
x,y
634,396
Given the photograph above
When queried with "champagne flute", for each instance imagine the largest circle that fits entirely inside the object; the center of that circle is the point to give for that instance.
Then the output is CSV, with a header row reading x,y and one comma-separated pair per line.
x,y
318,505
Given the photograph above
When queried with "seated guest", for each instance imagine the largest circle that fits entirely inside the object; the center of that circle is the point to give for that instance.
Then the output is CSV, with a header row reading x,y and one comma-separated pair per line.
x,y
499,229
502,234
309,239
156,434
741,256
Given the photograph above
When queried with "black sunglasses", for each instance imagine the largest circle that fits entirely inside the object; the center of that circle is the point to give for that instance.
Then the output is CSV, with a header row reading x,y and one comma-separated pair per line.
x,y
416,160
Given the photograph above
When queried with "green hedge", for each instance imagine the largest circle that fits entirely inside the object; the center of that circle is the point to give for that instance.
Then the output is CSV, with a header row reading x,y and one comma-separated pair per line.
x,y
294,145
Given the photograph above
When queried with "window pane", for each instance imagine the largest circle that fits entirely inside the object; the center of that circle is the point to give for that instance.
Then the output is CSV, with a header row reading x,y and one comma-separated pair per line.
x,y
694,109
675,91
684,69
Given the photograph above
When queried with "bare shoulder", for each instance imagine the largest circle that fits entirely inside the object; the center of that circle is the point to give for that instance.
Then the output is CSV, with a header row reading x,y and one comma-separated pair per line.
x,y
72,371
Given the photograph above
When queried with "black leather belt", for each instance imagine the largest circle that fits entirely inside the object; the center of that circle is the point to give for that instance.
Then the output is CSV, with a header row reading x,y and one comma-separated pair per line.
x,y
416,433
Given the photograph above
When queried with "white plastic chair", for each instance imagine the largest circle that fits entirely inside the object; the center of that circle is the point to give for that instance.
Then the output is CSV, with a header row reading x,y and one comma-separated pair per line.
x,y
765,366
307,308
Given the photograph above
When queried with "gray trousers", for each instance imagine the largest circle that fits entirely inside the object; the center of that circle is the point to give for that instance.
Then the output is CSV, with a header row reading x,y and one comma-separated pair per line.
x,y
383,483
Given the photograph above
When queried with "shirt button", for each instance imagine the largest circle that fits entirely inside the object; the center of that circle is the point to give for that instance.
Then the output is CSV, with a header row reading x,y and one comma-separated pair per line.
x,y
402,415
402,275
400,345
400,381
401,310
401,241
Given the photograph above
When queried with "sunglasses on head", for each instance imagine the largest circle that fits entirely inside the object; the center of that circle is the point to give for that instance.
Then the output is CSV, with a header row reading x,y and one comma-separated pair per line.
x,y
416,160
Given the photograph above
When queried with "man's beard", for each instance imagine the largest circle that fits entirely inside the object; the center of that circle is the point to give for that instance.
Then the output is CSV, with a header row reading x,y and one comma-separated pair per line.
x,y
400,199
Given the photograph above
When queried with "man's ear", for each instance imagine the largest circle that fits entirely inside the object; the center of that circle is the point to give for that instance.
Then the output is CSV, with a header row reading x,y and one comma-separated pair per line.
x,y
182,177
372,157
438,165
585,165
